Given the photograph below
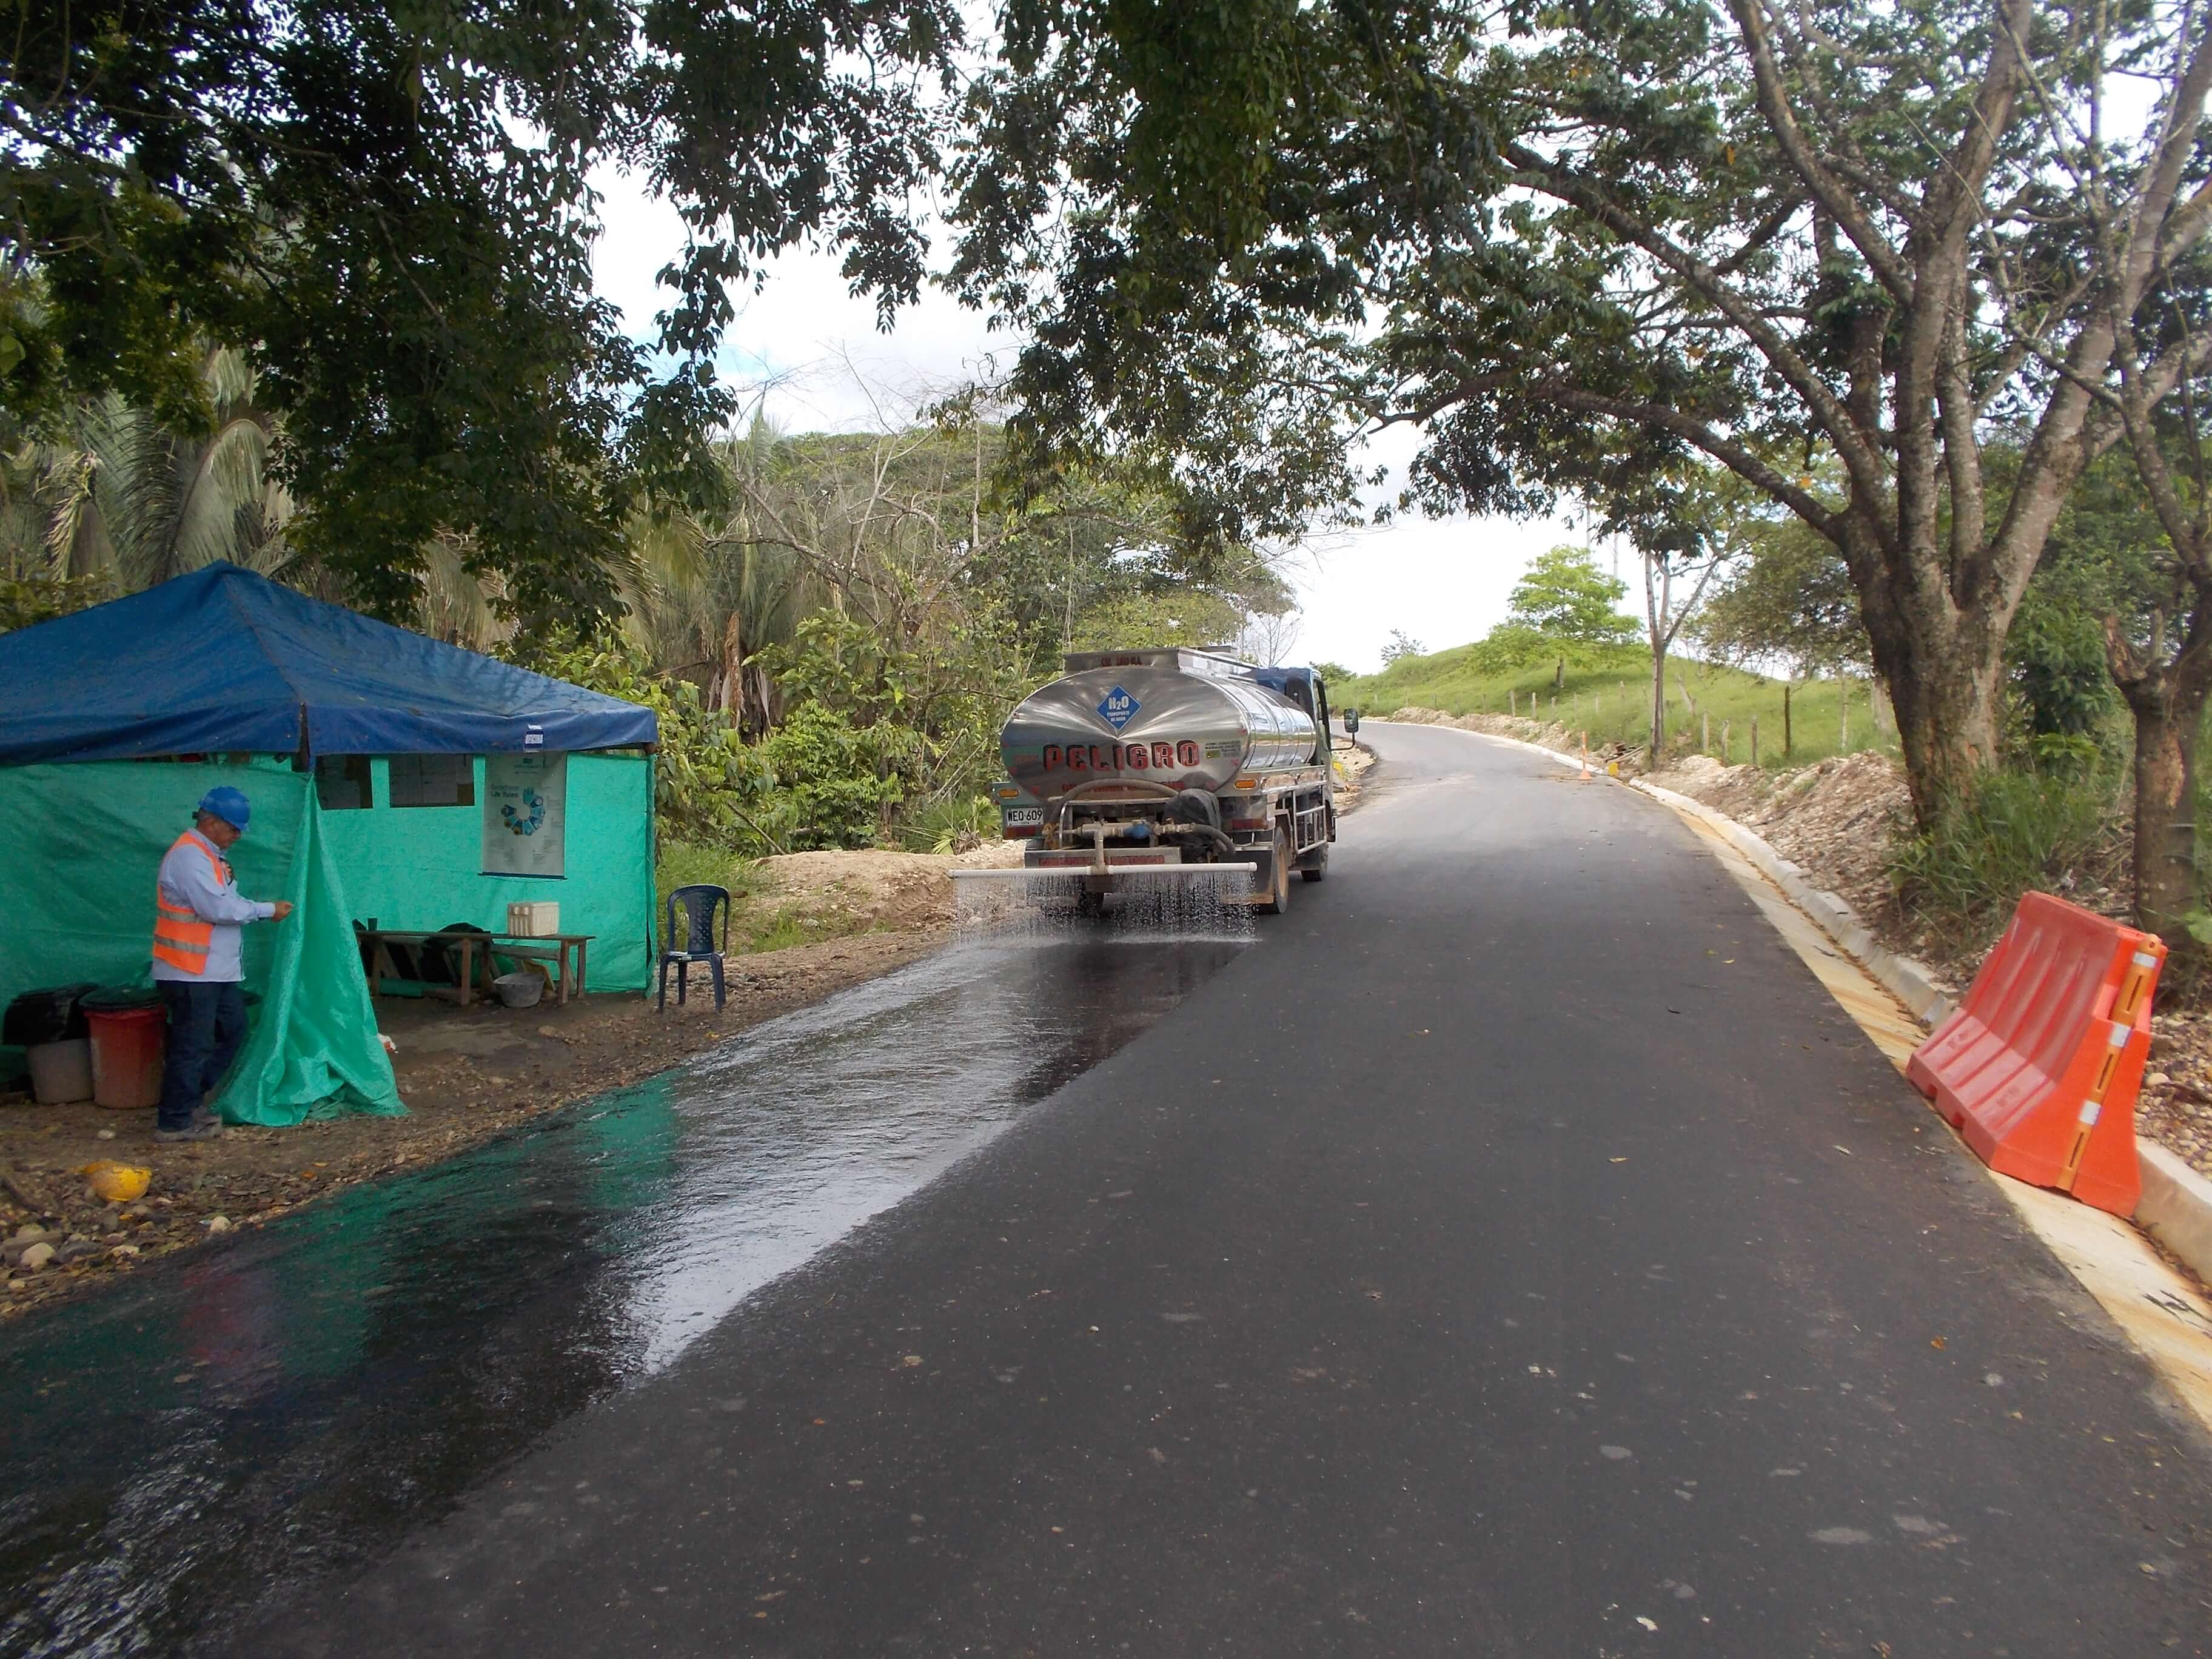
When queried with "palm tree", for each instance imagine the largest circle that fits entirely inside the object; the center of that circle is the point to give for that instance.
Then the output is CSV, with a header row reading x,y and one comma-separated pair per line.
x,y
118,494
706,594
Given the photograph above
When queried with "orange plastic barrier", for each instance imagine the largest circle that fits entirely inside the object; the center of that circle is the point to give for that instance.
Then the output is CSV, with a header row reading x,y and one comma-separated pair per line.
x,y
2038,1069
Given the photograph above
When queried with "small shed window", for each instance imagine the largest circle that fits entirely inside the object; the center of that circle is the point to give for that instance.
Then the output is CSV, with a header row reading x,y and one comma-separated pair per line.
x,y
342,783
433,781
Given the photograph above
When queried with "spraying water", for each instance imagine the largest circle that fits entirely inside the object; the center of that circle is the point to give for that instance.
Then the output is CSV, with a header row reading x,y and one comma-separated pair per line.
x,y
1174,903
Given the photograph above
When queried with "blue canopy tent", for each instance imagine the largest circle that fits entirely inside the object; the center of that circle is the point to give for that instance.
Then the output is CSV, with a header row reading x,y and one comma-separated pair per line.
x,y
364,749
226,660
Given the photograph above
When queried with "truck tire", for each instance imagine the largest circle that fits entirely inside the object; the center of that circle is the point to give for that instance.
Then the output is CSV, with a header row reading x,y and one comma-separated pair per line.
x,y
1318,870
1279,869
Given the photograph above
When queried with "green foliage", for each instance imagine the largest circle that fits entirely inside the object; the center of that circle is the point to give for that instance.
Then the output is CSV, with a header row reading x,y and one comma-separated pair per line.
x,y
1566,596
1607,691
838,781
1401,646
26,600
2024,829
687,864
929,701
1333,674
951,826
2056,655
108,488
392,209
1512,645
709,788
1786,600
1187,616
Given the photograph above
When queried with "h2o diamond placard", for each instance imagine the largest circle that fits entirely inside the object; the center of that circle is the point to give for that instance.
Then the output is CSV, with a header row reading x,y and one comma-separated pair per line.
x,y
1118,709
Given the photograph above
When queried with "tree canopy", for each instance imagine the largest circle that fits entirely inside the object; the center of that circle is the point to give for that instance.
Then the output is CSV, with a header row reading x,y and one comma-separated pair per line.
x,y
1574,244
390,209
1565,596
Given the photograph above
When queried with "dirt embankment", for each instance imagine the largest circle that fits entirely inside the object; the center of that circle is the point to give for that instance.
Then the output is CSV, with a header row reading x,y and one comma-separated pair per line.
x,y
1839,821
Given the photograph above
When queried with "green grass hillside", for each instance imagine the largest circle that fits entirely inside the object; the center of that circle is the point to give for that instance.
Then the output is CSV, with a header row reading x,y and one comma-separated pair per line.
x,y
1610,697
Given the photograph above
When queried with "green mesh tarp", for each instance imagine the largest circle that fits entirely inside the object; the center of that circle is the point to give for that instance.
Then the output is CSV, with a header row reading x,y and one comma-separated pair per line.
x,y
417,869
76,902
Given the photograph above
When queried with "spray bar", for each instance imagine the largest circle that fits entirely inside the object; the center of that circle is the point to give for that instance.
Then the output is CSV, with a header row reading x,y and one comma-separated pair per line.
x,y
1077,871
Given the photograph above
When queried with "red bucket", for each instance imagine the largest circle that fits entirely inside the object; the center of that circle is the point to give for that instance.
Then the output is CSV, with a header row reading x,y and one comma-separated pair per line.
x,y
126,1056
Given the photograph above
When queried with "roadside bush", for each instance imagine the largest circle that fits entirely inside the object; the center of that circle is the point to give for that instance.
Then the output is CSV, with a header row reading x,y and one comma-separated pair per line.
x,y
2042,827
951,826
30,599
836,782
709,788
2060,682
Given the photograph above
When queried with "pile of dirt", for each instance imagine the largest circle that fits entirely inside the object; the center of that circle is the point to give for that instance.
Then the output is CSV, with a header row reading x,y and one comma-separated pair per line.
x,y
1836,820
871,890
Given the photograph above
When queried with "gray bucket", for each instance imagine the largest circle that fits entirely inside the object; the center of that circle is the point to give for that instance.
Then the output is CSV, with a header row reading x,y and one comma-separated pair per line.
x,y
61,1070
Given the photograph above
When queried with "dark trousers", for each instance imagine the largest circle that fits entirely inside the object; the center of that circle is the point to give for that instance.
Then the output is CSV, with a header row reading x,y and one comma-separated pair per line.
x,y
206,1024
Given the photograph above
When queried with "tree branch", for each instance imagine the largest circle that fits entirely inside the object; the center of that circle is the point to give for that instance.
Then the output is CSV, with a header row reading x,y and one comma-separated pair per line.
x,y
1828,190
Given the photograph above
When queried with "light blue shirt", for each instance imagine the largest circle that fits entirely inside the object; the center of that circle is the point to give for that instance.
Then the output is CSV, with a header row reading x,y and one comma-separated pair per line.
x,y
188,881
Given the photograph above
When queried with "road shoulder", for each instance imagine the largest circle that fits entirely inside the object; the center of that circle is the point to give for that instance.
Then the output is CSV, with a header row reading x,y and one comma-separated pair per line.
x,y
2160,1311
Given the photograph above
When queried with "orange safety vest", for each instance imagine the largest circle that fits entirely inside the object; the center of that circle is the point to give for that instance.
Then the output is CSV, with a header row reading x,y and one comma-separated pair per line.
x,y
180,938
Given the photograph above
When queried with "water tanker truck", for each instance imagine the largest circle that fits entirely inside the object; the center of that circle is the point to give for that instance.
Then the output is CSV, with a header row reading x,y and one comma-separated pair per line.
x,y
1136,768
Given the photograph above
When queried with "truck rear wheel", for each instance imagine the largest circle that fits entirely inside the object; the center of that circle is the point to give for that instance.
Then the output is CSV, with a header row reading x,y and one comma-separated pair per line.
x,y
1318,870
1279,886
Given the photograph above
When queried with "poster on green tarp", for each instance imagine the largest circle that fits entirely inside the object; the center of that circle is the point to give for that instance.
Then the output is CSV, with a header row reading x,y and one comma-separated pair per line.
x,y
525,809
76,902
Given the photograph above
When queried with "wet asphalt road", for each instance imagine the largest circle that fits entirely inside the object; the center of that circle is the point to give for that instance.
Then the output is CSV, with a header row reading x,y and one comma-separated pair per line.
x,y
1515,1252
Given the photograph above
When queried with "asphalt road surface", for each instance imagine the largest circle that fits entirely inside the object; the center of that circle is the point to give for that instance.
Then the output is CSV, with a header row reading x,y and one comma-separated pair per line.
x,y
1514,1252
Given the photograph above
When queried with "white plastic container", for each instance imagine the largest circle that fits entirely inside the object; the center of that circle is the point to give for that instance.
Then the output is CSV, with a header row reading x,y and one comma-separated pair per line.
x,y
61,1070
534,918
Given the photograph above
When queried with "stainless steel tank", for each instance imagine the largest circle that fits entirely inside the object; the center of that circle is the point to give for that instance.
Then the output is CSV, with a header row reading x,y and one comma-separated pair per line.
x,y
1185,719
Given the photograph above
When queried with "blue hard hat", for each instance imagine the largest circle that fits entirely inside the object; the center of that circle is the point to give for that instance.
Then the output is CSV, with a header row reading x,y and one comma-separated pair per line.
x,y
228,804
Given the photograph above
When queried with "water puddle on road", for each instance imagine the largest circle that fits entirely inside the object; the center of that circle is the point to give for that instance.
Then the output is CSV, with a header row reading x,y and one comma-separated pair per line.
x,y
289,1404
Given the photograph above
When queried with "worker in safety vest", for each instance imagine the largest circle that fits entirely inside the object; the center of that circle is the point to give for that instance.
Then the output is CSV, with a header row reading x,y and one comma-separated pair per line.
x,y
198,914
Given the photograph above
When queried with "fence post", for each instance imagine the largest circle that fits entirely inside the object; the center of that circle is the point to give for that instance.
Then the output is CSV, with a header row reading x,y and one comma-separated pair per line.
x,y
1754,739
1785,720
1724,742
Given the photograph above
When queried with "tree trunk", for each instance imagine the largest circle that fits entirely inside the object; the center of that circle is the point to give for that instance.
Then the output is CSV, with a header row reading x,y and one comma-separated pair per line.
x,y
1658,598
2165,889
2167,700
1658,707
1945,723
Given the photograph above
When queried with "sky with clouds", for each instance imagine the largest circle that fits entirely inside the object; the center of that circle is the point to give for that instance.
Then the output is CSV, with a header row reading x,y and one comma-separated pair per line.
x,y
827,368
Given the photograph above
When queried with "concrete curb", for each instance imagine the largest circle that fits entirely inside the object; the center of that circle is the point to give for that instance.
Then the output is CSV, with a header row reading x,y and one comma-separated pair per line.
x,y
2176,1206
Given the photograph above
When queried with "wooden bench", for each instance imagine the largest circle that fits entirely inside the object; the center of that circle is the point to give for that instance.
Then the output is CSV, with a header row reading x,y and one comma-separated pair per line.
x,y
475,950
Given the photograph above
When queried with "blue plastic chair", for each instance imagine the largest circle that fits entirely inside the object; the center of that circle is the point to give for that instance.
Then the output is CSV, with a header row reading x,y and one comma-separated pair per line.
x,y
699,903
